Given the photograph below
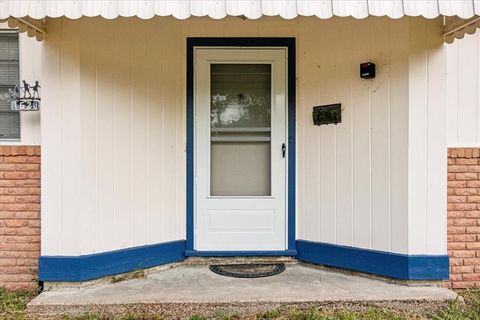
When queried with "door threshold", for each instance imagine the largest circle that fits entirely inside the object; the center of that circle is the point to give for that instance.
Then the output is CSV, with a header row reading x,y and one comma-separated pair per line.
x,y
195,253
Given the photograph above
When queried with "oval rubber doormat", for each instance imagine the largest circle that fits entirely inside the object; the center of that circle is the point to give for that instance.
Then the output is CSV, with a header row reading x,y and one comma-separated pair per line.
x,y
248,270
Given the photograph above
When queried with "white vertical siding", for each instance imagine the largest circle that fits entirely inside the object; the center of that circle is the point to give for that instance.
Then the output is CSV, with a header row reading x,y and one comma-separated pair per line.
x,y
107,219
344,136
352,181
362,143
114,159
463,87
427,148
380,138
52,145
87,168
436,215
398,139
114,148
71,134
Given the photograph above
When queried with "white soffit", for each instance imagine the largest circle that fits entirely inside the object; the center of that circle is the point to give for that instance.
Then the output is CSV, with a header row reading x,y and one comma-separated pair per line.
x,y
218,9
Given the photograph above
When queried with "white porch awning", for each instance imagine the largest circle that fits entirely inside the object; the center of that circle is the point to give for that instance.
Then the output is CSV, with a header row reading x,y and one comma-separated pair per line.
x,y
455,28
251,9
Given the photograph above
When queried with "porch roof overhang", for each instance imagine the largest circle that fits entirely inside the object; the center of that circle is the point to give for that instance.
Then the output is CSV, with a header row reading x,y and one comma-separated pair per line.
x,y
461,15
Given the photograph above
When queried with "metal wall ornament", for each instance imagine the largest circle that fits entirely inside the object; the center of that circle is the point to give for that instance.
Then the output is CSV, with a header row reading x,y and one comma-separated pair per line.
x,y
25,97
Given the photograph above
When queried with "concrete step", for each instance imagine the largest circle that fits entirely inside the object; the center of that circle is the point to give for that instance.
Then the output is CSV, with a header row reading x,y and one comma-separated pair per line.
x,y
223,310
187,290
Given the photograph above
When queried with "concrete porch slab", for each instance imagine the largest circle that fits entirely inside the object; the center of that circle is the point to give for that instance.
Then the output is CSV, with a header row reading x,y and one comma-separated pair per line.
x,y
193,289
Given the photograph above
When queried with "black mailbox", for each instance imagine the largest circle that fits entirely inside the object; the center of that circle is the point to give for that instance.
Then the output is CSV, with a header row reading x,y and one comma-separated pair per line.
x,y
327,114
367,70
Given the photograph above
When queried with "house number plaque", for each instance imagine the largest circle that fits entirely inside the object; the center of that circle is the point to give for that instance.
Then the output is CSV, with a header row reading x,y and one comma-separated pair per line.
x,y
25,97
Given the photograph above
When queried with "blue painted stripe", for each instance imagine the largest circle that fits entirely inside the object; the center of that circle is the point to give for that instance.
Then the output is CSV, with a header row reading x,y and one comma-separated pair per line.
x,y
394,265
193,253
93,266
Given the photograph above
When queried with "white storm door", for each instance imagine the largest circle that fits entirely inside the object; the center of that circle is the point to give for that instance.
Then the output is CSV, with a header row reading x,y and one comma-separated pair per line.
x,y
240,149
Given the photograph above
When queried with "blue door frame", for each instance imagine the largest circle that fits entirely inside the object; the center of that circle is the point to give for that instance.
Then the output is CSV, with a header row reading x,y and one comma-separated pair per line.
x,y
288,43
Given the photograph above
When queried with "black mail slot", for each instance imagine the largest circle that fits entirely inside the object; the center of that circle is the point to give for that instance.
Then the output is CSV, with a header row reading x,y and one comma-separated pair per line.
x,y
331,113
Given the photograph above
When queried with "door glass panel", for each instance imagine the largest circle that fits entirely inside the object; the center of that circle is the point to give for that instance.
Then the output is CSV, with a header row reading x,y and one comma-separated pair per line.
x,y
240,124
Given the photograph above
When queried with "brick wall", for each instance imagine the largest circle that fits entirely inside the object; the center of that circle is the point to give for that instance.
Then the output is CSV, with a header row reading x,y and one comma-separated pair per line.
x,y
464,217
19,216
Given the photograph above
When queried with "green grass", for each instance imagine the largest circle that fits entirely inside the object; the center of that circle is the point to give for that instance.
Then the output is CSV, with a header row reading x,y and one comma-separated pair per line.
x,y
13,304
456,311
138,316
371,313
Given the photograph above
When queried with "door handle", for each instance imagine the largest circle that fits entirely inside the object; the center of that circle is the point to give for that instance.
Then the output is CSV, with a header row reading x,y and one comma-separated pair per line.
x,y
284,149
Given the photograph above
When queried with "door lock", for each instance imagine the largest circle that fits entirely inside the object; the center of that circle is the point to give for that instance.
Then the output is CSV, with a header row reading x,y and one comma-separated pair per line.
x,y
284,149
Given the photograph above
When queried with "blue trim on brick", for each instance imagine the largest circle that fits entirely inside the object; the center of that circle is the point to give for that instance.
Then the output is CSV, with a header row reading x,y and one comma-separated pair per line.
x,y
93,266
289,43
393,265
193,253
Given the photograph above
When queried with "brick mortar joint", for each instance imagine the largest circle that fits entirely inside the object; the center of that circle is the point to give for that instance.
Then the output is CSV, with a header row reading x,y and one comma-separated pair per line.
x,y
462,157
463,217
20,217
